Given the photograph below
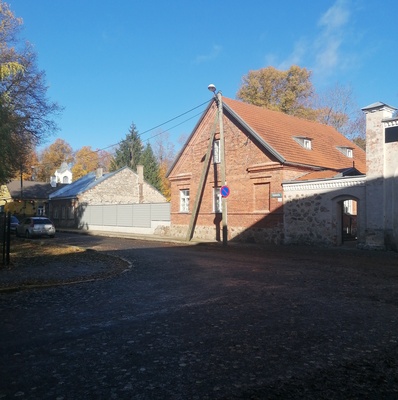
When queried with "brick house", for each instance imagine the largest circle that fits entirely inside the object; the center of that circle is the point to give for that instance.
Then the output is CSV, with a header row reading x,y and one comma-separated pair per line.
x,y
263,149
121,187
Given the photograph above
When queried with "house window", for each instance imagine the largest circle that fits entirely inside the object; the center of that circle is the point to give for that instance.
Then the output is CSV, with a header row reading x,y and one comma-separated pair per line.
x,y
70,212
216,152
40,211
63,212
304,142
217,200
347,151
307,144
55,213
184,200
261,196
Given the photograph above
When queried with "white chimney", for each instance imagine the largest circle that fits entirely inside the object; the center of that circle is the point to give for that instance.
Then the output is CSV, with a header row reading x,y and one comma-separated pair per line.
x,y
98,173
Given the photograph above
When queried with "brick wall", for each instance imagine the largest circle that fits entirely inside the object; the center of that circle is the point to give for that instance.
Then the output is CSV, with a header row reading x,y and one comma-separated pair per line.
x,y
254,206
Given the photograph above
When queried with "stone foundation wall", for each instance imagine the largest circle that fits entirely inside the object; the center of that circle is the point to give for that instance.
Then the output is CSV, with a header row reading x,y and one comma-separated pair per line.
x,y
235,234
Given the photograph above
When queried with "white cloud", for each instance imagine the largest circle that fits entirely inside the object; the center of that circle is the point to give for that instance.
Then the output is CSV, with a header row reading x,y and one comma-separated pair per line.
x,y
325,52
296,57
328,45
335,17
215,51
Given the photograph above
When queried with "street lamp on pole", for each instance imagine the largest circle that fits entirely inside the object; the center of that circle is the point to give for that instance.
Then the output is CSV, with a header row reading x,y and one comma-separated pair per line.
x,y
218,97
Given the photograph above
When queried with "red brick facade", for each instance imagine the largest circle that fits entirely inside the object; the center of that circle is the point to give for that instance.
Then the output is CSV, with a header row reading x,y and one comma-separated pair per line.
x,y
254,177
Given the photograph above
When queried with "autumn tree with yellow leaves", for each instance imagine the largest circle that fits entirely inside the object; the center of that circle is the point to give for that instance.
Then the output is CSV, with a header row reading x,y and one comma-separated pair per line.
x,y
26,115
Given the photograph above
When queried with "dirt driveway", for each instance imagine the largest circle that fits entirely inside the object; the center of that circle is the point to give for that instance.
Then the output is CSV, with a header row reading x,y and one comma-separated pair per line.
x,y
208,322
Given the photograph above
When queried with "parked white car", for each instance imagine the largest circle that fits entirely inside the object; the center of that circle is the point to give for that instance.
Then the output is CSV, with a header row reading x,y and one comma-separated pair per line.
x,y
35,226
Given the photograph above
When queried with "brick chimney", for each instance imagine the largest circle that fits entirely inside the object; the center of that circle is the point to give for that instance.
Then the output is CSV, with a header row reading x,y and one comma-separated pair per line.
x,y
140,171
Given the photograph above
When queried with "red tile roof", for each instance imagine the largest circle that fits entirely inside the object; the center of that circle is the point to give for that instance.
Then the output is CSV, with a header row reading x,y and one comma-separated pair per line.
x,y
278,131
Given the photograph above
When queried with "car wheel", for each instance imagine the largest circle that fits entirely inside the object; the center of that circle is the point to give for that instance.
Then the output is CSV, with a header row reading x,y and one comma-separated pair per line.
x,y
27,234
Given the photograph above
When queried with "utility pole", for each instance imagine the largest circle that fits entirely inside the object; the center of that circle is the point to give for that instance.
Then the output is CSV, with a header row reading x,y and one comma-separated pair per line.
x,y
218,97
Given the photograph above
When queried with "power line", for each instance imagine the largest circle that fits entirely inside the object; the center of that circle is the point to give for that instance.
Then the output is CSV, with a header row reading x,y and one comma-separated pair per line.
x,y
158,126
155,127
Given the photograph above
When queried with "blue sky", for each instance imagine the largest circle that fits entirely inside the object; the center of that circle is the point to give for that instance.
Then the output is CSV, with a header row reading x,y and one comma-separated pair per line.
x,y
111,63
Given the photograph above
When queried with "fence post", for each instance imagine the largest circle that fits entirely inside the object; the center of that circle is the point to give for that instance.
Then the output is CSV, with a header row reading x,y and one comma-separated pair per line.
x,y
8,238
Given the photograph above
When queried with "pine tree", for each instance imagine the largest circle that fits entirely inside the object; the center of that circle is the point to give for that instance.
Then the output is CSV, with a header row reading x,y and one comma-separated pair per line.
x,y
151,167
129,151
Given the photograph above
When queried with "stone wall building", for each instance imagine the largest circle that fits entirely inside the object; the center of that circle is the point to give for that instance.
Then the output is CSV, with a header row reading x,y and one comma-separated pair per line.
x,y
119,187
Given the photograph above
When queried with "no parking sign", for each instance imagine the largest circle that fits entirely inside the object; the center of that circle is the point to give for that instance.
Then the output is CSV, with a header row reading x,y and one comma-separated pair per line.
x,y
224,191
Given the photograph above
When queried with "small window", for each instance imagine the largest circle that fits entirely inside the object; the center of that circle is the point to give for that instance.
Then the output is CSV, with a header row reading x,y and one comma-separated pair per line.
x,y
217,200
216,152
184,200
63,212
304,142
307,144
347,151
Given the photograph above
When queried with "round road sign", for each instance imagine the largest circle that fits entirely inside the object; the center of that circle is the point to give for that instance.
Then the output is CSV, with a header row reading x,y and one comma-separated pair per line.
x,y
224,191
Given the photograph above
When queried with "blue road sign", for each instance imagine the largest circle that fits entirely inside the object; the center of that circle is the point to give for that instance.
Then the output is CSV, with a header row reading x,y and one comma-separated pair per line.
x,y
224,191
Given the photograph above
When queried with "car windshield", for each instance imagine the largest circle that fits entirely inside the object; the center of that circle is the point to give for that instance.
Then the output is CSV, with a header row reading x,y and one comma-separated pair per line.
x,y
41,221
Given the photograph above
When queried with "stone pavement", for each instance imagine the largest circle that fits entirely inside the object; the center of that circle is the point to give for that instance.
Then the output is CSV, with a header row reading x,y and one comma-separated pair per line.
x,y
207,322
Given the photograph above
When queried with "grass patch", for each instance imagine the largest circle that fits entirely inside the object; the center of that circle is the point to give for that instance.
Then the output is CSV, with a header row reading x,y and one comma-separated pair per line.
x,y
22,250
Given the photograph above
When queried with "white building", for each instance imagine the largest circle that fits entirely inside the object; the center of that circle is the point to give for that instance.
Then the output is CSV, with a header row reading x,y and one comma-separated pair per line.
x,y
62,175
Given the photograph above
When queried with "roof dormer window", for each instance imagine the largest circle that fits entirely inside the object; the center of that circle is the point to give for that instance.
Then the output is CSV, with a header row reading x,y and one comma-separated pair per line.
x,y
305,142
347,151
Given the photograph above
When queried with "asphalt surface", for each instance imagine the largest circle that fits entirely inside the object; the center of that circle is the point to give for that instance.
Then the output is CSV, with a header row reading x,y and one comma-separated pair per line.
x,y
208,322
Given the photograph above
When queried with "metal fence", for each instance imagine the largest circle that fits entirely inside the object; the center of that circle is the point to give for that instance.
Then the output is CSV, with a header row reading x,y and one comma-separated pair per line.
x,y
5,238
126,215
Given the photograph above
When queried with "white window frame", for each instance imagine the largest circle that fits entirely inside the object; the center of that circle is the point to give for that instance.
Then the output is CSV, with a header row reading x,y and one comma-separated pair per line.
x,y
304,142
307,144
347,151
217,200
184,200
216,152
